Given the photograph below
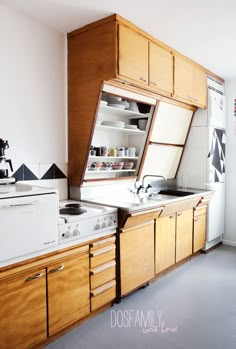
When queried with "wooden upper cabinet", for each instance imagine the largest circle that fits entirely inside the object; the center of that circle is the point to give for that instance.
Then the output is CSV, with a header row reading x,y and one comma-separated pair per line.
x,y
160,68
133,55
189,82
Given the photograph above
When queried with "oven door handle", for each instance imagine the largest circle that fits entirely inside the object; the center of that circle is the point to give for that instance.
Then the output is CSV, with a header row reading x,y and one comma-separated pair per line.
x,y
20,205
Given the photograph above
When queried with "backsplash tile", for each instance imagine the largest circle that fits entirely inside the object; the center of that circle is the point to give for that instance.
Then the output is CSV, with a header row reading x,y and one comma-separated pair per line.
x,y
53,172
29,172
23,173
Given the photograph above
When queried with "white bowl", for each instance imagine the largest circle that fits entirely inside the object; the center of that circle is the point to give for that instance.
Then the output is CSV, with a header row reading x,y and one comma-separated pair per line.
x,y
118,106
120,124
111,98
131,127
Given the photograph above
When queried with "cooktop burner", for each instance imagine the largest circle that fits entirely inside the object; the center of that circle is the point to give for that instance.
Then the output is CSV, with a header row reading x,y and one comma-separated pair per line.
x,y
72,210
73,205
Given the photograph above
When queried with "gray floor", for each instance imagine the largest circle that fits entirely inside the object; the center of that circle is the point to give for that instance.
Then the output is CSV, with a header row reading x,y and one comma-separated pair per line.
x,y
192,307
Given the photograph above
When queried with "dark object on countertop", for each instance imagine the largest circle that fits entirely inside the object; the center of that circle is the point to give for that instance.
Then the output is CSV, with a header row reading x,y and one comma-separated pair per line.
x,y
175,192
73,205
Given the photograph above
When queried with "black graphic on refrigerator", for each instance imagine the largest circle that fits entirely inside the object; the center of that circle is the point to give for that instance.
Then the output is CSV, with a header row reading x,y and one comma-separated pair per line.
x,y
216,156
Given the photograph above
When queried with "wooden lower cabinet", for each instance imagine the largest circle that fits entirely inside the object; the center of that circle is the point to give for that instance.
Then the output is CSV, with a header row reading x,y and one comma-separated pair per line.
x,y
23,314
164,243
199,228
68,292
184,234
136,256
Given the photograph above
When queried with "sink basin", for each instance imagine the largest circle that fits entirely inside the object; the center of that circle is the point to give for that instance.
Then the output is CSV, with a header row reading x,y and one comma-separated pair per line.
x,y
174,192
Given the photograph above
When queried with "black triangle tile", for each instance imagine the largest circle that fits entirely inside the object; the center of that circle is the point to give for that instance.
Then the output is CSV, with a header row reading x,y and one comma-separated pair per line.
x,y
23,173
19,174
59,173
28,174
53,173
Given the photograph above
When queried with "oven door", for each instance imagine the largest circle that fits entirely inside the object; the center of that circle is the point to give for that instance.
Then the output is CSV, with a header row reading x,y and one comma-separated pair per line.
x,y
27,224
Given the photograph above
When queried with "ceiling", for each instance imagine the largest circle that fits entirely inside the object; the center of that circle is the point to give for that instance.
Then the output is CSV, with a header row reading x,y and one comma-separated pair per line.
x,y
202,30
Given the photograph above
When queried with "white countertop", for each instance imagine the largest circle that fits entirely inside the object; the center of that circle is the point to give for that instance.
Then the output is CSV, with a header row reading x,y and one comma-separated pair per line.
x,y
132,202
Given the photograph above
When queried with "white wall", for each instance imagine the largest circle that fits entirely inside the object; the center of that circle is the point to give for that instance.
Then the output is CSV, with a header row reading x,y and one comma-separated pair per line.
x,y
230,228
32,91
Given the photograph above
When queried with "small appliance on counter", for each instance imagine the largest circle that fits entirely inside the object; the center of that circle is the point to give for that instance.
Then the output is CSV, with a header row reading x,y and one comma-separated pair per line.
x,y
4,163
29,221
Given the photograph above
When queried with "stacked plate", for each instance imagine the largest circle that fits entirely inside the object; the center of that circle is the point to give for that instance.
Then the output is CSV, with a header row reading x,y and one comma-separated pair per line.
x,y
131,127
117,102
119,124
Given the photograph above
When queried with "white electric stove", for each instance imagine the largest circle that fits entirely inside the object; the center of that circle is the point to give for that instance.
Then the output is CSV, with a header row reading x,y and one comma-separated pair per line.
x,y
79,220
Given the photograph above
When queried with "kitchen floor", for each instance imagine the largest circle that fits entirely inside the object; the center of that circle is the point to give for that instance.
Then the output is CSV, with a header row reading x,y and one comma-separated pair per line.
x,y
190,308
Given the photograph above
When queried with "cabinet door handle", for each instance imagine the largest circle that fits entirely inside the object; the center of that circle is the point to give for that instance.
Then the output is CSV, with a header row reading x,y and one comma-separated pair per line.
x,y
171,216
153,83
57,269
196,219
179,213
189,97
142,79
35,277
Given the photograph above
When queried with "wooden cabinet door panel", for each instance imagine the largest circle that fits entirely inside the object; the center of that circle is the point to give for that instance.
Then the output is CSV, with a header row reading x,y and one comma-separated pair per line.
x,y
199,87
182,78
133,55
160,68
136,256
165,243
184,233
68,292
199,232
23,322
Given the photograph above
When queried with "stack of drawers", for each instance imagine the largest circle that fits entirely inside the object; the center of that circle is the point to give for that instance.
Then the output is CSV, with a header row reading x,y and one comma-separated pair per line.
x,y
102,272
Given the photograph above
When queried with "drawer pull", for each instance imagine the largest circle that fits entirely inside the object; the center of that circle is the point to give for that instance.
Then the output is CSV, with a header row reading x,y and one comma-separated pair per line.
x,y
57,269
153,83
103,267
102,250
35,277
103,288
142,79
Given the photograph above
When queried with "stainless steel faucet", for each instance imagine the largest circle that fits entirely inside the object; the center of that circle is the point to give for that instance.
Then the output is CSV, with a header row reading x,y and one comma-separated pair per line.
x,y
149,185
158,176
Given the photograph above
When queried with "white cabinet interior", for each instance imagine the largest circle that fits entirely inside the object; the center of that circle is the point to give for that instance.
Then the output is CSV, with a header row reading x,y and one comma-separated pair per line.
x,y
172,124
119,135
167,140
162,160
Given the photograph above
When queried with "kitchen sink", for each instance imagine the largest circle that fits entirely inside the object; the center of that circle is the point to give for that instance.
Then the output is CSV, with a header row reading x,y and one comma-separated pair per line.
x,y
174,192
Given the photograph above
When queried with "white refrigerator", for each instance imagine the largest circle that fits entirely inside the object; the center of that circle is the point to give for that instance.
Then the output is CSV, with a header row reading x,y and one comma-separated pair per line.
x,y
203,161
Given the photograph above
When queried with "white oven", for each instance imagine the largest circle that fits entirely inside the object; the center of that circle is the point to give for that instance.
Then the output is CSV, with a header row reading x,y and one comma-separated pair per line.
x,y
28,220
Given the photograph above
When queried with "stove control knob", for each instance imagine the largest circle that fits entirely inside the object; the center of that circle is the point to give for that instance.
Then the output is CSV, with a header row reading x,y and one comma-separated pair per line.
x,y
68,234
76,232
97,226
104,224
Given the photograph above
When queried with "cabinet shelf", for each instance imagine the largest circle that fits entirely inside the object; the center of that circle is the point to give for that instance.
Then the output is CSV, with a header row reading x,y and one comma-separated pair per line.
x,y
109,171
106,109
113,157
118,129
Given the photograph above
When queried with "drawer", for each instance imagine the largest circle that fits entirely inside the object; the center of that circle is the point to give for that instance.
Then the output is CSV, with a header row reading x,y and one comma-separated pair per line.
x,y
102,255
102,274
100,243
103,295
